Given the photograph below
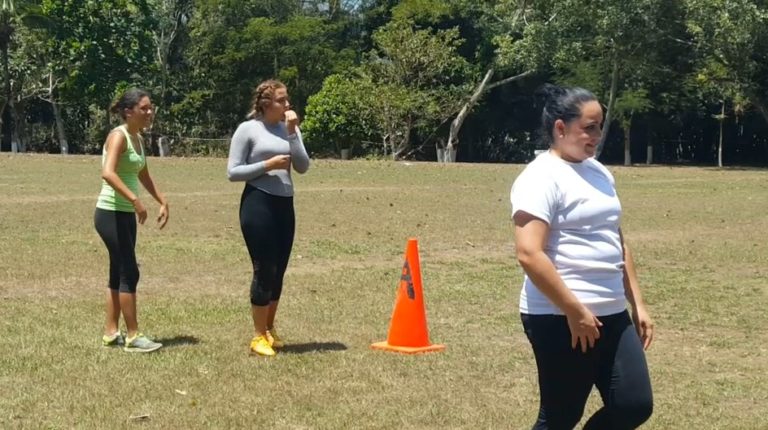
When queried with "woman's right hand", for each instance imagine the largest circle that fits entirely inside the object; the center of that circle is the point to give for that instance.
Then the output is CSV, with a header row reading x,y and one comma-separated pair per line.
x,y
291,121
282,162
141,211
584,327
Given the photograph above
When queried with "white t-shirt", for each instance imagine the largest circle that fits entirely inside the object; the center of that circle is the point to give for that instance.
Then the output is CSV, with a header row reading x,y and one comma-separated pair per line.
x,y
579,203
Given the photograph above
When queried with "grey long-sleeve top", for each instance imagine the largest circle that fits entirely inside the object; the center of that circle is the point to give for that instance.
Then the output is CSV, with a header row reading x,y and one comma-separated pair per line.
x,y
255,142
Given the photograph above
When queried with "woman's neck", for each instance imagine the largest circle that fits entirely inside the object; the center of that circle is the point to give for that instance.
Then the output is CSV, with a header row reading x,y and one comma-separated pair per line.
x,y
559,154
132,129
270,121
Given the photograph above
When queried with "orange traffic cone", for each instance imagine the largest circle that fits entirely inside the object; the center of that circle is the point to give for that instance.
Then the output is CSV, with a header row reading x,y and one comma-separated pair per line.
x,y
408,329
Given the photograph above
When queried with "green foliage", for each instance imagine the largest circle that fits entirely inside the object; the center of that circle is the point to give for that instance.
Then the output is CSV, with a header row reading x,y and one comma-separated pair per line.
x,y
428,11
410,83
98,43
584,74
393,72
724,33
632,102
417,58
340,115
232,54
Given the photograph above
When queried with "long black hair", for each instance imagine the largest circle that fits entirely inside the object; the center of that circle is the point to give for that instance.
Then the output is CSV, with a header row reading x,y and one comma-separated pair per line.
x,y
563,103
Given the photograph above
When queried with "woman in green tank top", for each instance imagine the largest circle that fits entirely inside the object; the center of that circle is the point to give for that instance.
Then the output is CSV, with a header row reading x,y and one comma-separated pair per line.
x,y
118,208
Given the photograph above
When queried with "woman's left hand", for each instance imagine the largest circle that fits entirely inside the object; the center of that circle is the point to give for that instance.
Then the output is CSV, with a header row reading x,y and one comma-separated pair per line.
x,y
643,325
162,217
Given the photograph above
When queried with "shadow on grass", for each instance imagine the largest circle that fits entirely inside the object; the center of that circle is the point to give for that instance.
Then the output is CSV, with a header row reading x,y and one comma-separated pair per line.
x,y
182,340
303,348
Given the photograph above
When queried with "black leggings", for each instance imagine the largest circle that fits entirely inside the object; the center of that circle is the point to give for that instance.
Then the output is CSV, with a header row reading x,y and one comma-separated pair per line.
x,y
616,365
118,231
268,224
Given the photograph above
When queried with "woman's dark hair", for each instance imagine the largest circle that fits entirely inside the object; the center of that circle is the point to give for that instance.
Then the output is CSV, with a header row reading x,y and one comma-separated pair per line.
x,y
563,103
130,98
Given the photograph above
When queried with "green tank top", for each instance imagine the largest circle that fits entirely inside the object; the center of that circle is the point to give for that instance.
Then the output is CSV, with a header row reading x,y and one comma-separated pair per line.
x,y
129,165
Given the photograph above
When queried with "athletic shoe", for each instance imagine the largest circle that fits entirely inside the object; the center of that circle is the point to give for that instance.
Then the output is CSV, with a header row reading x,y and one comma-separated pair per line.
x,y
116,339
260,346
141,343
274,340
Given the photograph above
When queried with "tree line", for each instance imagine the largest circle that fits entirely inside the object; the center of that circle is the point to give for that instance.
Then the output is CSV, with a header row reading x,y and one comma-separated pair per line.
x,y
681,81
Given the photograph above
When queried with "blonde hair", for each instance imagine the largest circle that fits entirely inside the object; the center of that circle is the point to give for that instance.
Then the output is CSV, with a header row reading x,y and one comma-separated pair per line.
x,y
263,96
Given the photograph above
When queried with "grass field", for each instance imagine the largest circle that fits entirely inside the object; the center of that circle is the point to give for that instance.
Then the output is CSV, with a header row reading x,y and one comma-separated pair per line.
x,y
699,237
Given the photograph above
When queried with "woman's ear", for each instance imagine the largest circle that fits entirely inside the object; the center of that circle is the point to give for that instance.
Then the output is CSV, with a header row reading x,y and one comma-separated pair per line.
x,y
559,128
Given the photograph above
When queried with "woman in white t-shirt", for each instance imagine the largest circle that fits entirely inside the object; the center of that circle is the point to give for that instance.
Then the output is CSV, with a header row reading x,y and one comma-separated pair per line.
x,y
579,275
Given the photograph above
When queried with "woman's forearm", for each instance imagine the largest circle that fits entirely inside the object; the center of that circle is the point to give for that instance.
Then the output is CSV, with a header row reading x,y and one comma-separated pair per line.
x,y
631,285
149,185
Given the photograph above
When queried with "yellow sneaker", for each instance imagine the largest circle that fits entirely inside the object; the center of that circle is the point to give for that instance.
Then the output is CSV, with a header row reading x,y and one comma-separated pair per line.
x,y
274,339
260,345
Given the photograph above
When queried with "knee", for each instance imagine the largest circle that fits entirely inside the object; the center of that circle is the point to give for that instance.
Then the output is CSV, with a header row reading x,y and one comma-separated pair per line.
x,y
260,298
566,421
264,286
562,419
129,280
632,415
260,295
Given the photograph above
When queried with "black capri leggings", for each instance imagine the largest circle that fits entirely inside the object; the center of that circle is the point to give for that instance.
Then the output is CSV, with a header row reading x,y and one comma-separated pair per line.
x,y
616,365
118,231
268,223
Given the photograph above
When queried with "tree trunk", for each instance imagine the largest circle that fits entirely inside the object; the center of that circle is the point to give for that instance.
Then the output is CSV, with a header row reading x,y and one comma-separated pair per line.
x,y
15,143
399,146
720,145
649,154
628,143
609,111
61,134
275,65
17,138
440,150
453,134
163,147
7,126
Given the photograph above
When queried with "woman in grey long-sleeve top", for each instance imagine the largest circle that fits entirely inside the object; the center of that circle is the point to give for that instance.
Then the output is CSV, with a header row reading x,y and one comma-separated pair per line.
x,y
262,153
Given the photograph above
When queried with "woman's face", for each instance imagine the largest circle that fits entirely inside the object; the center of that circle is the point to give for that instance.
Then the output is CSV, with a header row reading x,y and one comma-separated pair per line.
x,y
278,106
141,114
577,140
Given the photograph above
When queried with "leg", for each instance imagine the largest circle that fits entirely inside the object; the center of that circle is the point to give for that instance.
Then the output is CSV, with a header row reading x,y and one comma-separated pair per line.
x,y
261,291
258,227
112,323
566,375
259,314
286,234
129,271
128,307
124,276
623,380
106,226
272,310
